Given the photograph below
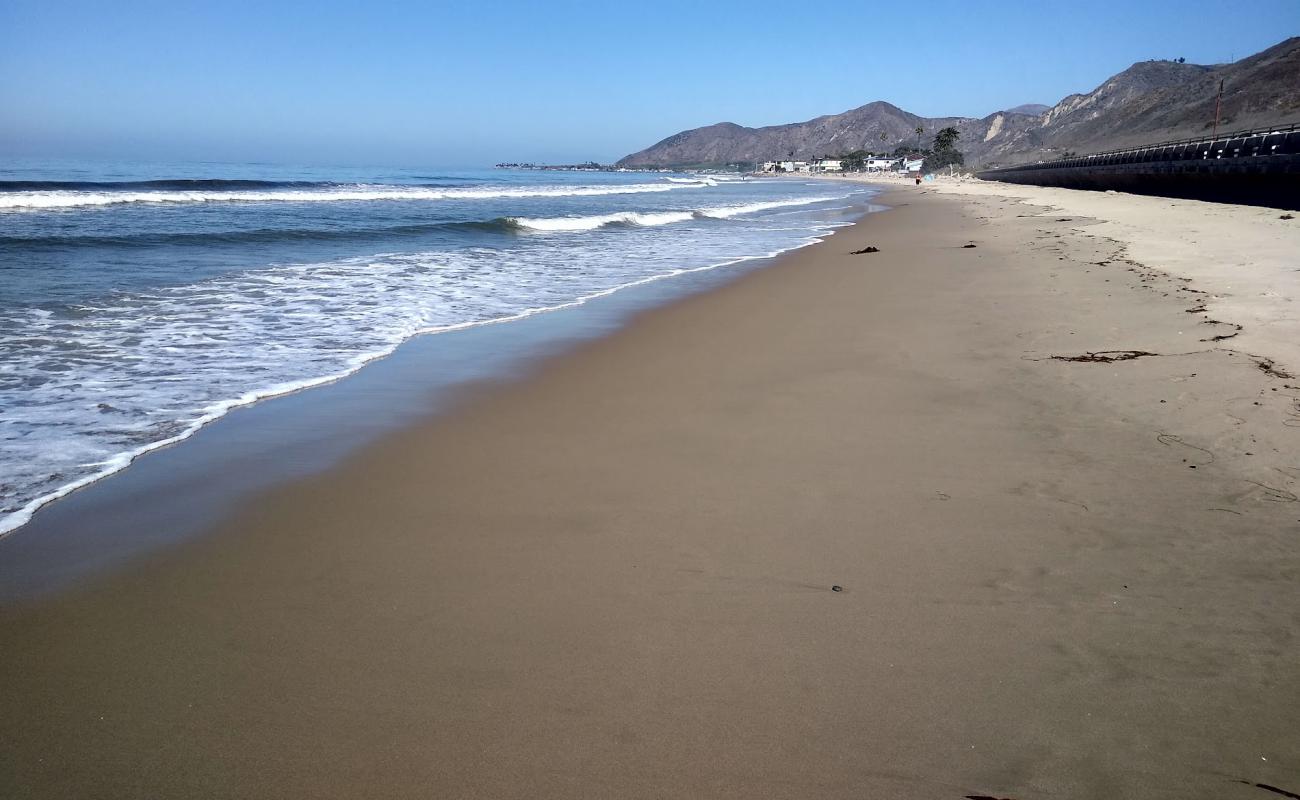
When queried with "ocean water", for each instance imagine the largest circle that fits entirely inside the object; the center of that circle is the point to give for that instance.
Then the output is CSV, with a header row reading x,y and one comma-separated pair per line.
x,y
139,302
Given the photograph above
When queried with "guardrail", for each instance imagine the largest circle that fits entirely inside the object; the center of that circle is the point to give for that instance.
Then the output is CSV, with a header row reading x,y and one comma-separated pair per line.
x,y
1254,143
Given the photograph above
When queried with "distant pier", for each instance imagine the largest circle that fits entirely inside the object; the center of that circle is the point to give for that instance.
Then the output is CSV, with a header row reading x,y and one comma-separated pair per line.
x,y
1254,167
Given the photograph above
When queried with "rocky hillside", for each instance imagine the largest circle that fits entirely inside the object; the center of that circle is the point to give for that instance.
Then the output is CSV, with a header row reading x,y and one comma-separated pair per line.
x,y
1031,109
1149,101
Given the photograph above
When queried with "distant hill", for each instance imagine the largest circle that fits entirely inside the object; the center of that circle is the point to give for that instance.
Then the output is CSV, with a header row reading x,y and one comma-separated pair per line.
x,y
1151,100
859,129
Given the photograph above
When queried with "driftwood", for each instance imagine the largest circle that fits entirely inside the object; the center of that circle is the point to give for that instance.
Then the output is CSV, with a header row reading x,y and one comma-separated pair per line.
x,y
1106,356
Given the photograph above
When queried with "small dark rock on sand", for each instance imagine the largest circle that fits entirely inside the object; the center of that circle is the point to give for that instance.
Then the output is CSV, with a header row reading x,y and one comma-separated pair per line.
x,y
865,250
967,246
837,588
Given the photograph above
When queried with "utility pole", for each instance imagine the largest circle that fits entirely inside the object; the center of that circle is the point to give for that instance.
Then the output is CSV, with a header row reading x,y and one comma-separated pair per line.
x,y
1218,103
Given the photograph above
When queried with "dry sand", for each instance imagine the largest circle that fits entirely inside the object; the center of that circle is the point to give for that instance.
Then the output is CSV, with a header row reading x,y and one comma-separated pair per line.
x,y
1245,259
614,580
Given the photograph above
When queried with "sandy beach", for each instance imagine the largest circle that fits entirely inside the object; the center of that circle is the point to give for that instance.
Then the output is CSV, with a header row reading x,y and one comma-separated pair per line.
x,y
1008,520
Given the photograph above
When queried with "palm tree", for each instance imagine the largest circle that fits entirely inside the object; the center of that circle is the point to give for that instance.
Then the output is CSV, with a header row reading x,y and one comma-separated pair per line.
x,y
919,130
946,138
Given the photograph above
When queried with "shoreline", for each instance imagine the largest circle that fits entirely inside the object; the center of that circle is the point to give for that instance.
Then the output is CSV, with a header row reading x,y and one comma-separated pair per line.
x,y
52,551
615,576
206,394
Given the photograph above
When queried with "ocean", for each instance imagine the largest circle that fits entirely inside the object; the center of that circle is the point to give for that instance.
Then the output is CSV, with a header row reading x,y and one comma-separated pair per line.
x,y
139,302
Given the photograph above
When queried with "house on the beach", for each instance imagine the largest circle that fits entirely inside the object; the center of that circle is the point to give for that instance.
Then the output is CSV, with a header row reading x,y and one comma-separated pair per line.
x,y
825,165
784,166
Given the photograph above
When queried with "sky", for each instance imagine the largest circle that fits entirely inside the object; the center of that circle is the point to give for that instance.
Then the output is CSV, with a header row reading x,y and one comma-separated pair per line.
x,y
470,84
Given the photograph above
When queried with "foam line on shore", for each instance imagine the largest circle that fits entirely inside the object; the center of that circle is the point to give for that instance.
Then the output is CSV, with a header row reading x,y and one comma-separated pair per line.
x,y
649,219
16,519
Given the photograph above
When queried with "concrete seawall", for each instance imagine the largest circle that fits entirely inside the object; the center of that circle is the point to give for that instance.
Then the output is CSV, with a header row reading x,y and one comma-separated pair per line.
x,y
1260,167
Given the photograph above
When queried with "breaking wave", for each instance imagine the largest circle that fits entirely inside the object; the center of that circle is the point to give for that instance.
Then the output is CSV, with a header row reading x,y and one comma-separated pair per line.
x,y
596,221
40,199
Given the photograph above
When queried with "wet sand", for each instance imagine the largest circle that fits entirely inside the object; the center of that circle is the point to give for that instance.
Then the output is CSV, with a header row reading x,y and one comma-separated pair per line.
x,y
618,578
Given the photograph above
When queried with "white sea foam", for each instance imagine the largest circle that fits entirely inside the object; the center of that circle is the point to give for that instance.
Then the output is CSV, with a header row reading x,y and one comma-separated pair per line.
x,y
86,389
726,212
593,222
37,200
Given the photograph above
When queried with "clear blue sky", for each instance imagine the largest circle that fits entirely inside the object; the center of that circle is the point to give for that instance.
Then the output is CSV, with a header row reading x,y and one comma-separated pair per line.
x,y
467,84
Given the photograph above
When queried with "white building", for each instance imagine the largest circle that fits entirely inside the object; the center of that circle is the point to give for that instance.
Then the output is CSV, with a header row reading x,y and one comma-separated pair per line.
x,y
876,164
825,165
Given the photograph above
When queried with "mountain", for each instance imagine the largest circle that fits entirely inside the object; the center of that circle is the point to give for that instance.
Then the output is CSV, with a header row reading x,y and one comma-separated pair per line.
x,y
859,129
1149,101
1031,109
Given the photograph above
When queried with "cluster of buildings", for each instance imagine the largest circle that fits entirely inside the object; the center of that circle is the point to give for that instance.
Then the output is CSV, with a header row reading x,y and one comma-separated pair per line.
x,y
871,164
816,165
